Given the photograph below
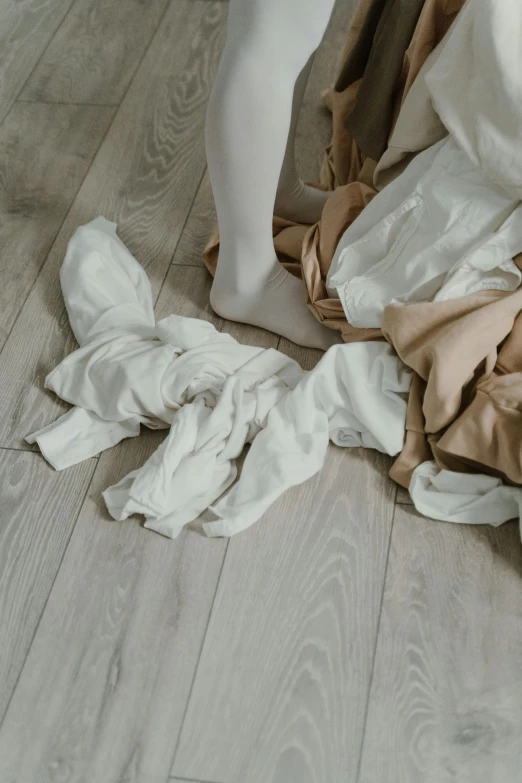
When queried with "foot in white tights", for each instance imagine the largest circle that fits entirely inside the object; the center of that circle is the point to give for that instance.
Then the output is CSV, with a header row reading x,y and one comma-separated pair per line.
x,y
276,302
250,121
301,203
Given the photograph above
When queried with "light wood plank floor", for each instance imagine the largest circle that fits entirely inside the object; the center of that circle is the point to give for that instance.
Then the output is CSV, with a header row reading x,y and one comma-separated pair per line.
x,y
343,639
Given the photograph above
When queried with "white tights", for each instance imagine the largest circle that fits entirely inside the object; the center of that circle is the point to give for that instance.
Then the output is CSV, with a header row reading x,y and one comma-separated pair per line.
x,y
250,128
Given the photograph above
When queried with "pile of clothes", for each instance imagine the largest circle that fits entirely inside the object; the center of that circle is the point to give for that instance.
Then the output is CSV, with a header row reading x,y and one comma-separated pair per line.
x,y
417,261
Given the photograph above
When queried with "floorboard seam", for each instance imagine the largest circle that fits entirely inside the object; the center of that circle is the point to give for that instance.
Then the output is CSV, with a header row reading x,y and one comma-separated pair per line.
x,y
94,466
189,213
89,482
193,266
198,661
359,762
38,453
37,63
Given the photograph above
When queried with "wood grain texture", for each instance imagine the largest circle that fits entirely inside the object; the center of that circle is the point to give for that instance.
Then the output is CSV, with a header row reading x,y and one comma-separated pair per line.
x,y
95,52
26,27
446,697
118,684
403,497
199,225
38,511
104,688
185,292
307,357
45,152
282,684
144,177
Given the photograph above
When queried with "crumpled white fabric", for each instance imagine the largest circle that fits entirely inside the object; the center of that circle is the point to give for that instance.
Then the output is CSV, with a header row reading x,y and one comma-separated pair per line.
x,y
355,396
476,89
469,498
383,204
130,370
214,393
454,234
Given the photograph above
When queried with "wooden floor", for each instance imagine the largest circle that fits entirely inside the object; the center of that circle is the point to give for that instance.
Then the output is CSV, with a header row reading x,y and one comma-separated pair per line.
x,y
342,639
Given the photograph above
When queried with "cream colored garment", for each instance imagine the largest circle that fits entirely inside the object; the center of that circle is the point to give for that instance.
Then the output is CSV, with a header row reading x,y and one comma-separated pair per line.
x,y
213,392
468,498
375,211
355,396
343,163
476,88
456,233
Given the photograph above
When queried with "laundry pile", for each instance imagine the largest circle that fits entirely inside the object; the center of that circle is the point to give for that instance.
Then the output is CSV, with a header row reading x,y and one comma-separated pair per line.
x,y
214,394
417,260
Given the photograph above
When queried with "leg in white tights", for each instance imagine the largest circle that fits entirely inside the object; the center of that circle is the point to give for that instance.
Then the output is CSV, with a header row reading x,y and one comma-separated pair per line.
x,y
295,200
269,43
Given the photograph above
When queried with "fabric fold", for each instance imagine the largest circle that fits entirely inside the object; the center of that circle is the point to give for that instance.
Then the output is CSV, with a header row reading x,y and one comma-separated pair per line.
x,y
454,234
78,435
213,392
465,405
355,397
464,498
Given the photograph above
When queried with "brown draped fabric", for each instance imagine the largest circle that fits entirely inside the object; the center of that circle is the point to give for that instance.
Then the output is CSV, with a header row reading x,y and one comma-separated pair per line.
x,y
372,116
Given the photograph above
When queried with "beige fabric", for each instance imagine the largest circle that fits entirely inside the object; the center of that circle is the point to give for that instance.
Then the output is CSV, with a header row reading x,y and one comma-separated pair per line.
x,y
318,248
342,160
489,431
434,22
465,406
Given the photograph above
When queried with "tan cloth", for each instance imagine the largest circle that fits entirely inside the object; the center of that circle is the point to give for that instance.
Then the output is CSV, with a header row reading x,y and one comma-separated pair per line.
x,y
342,160
465,405
318,249
346,172
436,18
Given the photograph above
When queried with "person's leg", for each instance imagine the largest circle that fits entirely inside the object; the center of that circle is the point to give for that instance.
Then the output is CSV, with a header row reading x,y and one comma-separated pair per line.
x,y
295,200
269,43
